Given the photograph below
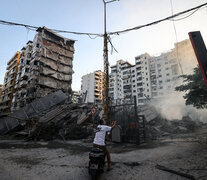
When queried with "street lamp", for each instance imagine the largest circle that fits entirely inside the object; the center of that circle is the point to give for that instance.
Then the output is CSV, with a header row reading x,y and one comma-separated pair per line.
x,y
106,66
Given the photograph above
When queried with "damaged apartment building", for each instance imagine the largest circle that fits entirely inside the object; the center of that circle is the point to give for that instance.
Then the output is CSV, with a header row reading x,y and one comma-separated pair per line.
x,y
45,65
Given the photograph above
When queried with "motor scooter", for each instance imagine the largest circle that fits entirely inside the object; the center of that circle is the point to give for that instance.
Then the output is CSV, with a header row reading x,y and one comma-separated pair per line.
x,y
96,162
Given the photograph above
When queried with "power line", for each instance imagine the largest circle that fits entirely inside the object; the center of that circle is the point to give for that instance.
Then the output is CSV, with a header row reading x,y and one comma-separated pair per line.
x,y
176,36
34,28
158,21
185,16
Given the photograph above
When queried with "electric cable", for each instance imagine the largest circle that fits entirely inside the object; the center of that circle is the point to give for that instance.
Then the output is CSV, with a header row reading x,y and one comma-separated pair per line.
x,y
158,21
34,28
176,37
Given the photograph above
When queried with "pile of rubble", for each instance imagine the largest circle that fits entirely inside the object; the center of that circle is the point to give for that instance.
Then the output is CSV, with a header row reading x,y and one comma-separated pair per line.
x,y
160,127
59,119
55,117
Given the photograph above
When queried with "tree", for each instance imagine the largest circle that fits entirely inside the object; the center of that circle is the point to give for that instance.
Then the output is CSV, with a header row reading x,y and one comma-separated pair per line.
x,y
195,88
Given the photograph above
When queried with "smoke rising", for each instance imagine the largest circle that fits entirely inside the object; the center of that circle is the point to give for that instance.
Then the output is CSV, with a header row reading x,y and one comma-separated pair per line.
x,y
173,107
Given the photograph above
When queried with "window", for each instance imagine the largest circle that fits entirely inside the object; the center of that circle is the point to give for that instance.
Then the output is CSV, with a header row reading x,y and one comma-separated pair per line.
x,y
138,68
167,74
137,63
29,55
139,79
125,72
139,84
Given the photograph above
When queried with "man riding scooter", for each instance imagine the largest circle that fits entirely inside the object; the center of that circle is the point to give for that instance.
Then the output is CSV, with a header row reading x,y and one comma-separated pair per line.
x,y
99,140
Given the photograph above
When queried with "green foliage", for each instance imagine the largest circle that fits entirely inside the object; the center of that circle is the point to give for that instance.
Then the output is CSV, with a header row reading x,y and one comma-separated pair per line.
x,y
195,88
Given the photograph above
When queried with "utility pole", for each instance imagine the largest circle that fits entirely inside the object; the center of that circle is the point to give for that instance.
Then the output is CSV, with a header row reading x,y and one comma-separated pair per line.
x,y
106,67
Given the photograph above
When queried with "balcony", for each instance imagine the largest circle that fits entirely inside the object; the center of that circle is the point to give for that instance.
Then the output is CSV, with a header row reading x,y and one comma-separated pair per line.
x,y
24,75
23,83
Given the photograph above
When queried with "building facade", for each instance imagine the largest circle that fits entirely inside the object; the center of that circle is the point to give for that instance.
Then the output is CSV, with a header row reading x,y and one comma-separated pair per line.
x,y
19,97
151,77
1,86
9,83
46,65
92,87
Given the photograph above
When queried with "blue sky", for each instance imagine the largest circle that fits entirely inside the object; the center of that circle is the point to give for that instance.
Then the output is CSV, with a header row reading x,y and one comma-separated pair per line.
x,y
87,16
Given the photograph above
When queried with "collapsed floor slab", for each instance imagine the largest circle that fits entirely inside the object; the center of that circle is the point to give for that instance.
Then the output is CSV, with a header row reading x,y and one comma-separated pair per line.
x,y
30,111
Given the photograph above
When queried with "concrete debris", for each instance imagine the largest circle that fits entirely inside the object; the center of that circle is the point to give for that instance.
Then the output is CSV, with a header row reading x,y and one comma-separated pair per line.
x,y
50,117
61,123
31,111
148,111
160,127
56,117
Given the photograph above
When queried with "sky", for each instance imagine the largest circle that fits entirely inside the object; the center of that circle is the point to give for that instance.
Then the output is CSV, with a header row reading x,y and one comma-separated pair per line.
x,y
87,16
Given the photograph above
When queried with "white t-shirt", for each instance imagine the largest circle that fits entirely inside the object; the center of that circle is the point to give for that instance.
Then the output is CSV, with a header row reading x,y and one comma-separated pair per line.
x,y
101,134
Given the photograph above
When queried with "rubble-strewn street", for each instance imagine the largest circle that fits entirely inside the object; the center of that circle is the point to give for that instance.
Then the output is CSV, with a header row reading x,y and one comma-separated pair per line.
x,y
186,153
97,90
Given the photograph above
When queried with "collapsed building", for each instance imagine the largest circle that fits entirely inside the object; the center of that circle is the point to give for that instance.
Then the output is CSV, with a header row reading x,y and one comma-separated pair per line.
x,y
45,66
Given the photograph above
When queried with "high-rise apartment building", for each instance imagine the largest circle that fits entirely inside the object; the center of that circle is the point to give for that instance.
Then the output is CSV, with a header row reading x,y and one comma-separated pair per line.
x,y
19,97
152,76
9,83
92,87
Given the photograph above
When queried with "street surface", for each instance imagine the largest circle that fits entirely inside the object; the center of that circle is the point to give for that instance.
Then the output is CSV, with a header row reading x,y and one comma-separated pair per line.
x,y
187,153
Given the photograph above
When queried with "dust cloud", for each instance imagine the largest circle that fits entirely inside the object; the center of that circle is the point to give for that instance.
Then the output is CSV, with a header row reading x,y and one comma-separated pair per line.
x,y
173,107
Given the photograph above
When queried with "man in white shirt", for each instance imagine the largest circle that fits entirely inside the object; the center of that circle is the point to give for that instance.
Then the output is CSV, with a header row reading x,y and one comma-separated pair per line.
x,y
99,140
